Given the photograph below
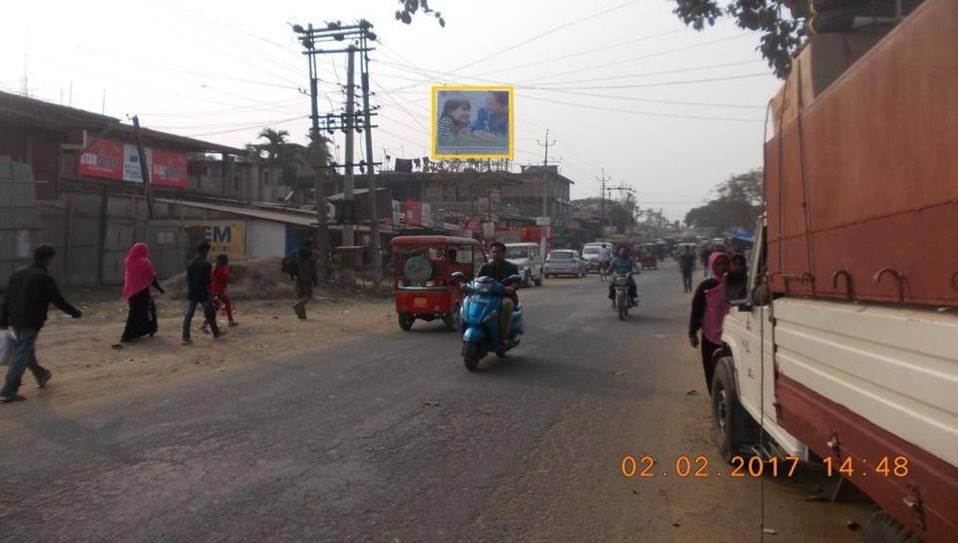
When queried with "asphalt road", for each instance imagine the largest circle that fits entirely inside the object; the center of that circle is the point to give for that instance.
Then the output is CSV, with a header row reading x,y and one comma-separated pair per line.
x,y
391,439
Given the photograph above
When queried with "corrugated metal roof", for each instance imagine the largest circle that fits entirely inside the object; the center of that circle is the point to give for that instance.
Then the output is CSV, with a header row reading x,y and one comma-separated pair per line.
x,y
296,219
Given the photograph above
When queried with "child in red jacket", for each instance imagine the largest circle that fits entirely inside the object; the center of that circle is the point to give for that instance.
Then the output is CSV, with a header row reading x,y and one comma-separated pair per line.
x,y
220,280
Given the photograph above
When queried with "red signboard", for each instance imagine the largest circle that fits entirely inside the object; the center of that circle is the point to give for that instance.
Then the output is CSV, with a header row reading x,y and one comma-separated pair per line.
x,y
102,159
413,213
169,169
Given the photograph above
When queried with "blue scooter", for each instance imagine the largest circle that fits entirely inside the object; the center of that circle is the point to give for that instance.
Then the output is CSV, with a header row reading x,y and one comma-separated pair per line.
x,y
479,322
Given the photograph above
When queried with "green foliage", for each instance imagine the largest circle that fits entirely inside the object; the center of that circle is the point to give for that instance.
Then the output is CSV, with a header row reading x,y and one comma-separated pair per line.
x,y
738,204
781,34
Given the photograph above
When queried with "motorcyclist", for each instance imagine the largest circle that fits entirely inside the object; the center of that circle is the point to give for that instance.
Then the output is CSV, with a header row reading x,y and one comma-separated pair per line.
x,y
605,255
623,265
499,269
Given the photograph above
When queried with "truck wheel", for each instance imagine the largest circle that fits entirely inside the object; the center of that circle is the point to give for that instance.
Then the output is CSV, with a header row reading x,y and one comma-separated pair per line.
x,y
728,416
538,280
405,321
470,356
882,528
526,280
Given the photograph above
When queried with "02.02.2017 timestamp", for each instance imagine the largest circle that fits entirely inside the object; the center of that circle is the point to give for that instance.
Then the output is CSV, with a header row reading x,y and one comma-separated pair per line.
x,y
698,467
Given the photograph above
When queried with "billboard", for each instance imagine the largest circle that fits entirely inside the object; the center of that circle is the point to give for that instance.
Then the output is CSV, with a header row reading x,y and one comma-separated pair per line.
x,y
472,122
225,237
117,161
102,159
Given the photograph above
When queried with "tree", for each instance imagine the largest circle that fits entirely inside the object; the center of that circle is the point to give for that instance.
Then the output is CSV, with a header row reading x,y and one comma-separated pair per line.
x,y
275,139
782,33
738,203
410,7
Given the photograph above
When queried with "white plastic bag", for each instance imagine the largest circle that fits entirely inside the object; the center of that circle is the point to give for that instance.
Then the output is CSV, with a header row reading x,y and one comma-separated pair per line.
x,y
6,346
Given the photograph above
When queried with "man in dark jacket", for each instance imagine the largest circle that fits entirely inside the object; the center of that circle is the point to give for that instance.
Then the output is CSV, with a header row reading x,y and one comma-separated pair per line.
x,y
499,269
305,279
198,279
29,295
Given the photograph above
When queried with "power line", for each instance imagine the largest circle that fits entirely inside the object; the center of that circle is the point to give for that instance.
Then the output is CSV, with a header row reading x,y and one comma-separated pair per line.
x,y
251,126
541,35
661,84
652,100
650,74
580,53
641,57
645,113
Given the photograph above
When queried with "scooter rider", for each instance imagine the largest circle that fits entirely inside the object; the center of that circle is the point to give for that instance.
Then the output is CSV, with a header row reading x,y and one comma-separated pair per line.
x,y
499,269
623,265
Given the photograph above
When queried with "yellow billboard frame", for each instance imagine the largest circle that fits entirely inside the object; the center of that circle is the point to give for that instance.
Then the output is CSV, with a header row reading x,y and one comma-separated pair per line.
x,y
477,88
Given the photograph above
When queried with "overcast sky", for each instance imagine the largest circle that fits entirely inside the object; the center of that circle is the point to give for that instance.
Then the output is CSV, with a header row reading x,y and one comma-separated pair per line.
x,y
621,85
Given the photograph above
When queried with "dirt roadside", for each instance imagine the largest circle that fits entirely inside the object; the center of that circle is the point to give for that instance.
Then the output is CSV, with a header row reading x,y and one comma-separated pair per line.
x,y
84,366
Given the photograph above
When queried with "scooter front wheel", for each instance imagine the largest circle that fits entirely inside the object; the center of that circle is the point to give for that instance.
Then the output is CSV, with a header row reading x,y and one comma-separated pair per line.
x,y
470,356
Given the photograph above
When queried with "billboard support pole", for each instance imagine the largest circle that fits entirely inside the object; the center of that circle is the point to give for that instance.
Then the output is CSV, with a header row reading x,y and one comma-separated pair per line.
x,y
144,171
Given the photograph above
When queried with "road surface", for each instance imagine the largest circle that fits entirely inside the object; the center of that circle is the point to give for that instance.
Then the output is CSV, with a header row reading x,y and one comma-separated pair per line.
x,y
391,439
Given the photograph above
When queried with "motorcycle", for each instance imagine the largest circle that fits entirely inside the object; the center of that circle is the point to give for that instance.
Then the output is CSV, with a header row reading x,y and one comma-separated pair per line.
x,y
622,301
479,319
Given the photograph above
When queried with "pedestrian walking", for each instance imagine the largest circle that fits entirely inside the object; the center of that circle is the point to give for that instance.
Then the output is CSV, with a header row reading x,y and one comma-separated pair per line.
x,y
29,294
199,274
687,265
706,253
138,276
709,308
219,283
304,278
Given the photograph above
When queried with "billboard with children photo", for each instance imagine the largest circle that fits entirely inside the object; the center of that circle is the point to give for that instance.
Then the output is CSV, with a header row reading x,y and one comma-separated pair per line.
x,y
472,122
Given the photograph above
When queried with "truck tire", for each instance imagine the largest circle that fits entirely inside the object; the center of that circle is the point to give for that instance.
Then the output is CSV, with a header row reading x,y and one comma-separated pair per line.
x,y
538,281
882,528
728,415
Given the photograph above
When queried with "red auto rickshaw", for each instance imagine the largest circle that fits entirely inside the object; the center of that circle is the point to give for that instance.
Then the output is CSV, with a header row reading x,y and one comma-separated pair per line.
x,y
423,285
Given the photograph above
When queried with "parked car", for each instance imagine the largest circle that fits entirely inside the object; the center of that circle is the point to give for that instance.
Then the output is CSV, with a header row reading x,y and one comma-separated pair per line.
x,y
528,258
564,262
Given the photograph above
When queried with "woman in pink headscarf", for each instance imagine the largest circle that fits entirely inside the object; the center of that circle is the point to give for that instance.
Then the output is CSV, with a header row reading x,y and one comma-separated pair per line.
x,y
709,308
138,277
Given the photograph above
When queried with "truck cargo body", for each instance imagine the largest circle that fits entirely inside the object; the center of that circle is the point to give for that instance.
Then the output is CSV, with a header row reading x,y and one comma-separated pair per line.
x,y
871,382
862,185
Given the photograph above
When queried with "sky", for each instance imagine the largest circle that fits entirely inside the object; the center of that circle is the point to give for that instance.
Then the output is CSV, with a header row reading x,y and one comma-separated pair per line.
x,y
622,86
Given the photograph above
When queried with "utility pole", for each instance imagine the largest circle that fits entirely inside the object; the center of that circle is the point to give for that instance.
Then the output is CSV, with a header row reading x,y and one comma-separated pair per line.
x,y
348,182
145,172
602,193
374,240
359,33
546,145
319,188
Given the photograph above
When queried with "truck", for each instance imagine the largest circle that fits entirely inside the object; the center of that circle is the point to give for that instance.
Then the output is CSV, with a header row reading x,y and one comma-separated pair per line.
x,y
841,344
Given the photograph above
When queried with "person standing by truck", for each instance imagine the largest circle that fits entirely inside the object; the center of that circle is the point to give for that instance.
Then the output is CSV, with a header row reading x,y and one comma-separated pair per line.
x,y
709,308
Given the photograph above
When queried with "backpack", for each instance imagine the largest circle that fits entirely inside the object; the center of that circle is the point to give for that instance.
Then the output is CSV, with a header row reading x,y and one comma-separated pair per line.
x,y
289,265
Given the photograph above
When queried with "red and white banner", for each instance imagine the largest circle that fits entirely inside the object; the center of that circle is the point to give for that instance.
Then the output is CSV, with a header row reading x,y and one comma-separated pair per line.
x,y
109,159
103,159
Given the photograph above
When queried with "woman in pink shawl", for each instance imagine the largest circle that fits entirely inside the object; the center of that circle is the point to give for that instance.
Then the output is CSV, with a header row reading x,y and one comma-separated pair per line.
x,y
138,277
709,308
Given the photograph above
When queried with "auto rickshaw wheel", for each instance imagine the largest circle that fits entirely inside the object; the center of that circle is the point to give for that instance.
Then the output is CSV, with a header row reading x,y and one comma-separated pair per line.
x,y
405,321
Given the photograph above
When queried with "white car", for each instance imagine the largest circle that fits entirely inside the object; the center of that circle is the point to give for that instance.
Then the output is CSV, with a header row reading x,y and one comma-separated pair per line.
x,y
528,259
564,262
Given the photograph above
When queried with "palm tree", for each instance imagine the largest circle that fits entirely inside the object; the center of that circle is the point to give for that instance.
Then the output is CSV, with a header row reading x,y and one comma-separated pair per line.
x,y
275,140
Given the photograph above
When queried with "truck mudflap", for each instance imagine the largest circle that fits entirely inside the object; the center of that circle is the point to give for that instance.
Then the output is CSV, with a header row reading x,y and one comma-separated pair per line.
x,y
925,500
